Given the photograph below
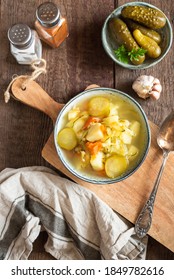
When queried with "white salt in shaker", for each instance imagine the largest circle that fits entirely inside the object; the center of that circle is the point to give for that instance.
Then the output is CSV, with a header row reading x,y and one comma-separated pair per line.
x,y
25,44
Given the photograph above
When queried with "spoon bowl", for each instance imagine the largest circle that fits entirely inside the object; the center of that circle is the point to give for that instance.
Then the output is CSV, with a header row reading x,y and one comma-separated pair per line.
x,y
165,140
165,137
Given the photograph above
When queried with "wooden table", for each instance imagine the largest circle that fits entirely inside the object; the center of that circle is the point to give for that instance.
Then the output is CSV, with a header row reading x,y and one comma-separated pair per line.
x,y
78,62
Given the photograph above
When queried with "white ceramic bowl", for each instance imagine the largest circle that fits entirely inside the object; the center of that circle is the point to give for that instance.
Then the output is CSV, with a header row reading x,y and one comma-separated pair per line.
x,y
61,120
110,45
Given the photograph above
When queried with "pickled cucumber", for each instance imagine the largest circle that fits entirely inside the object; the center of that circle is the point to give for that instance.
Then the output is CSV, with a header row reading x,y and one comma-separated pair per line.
x,y
66,139
121,34
132,25
115,166
99,107
153,50
149,17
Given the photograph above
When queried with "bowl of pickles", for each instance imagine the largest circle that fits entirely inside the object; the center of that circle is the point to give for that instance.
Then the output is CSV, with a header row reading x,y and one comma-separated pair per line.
x,y
102,136
137,35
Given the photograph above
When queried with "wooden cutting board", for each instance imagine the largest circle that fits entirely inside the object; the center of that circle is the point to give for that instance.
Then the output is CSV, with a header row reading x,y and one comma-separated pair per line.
x,y
126,197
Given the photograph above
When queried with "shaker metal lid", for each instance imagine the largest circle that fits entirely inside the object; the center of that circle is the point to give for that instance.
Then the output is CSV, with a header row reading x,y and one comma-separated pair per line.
x,y
48,14
19,35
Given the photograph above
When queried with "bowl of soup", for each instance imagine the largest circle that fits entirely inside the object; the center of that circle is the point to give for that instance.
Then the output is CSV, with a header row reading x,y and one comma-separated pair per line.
x,y
102,136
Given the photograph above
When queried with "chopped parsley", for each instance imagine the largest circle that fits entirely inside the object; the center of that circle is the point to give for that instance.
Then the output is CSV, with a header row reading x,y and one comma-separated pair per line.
x,y
134,54
124,55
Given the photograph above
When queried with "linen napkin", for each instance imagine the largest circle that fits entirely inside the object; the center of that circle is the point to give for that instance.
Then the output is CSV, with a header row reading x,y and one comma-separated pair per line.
x,y
79,225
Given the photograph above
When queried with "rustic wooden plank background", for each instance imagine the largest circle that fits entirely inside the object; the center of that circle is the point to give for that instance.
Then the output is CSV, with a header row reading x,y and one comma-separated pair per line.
x,y
78,62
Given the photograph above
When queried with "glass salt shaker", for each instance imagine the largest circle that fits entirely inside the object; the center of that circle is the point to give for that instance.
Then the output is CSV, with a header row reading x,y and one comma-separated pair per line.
x,y
50,25
25,44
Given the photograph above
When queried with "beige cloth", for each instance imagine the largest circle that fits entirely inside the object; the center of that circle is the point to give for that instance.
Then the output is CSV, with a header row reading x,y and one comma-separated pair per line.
x,y
78,223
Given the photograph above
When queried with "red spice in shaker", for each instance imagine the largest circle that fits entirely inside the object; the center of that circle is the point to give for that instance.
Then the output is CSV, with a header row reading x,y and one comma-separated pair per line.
x,y
50,25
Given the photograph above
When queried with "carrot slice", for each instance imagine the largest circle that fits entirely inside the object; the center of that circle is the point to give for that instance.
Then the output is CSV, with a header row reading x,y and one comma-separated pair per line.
x,y
94,147
91,120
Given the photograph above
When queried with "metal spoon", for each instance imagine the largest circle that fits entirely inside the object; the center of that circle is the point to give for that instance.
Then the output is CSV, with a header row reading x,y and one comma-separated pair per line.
x,y
165,140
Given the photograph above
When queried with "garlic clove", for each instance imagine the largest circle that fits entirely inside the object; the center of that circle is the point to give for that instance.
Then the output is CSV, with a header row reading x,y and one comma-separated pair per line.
x,y
155,95
146,86
157,87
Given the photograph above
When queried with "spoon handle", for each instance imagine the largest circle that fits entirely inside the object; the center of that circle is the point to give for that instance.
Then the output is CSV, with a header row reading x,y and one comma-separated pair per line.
x,y
144,220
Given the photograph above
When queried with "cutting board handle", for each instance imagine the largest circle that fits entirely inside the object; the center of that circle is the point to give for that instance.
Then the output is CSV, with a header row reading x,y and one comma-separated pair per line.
x,y
34,96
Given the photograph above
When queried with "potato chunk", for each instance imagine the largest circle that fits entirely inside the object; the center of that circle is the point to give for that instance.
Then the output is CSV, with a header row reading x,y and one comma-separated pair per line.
x,y
133,152
126,137
97,161
95,133
135,127
73,113
79,123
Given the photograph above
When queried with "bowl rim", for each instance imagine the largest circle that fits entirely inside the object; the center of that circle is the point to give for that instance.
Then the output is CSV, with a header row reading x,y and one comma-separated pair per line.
x,y
129,66
105,180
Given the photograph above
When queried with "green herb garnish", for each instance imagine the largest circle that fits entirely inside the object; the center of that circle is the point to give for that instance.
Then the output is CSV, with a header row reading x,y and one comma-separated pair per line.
x,y
124,55
134,54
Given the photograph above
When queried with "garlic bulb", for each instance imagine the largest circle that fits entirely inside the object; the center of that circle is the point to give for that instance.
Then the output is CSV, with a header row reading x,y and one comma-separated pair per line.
x,y
147,86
